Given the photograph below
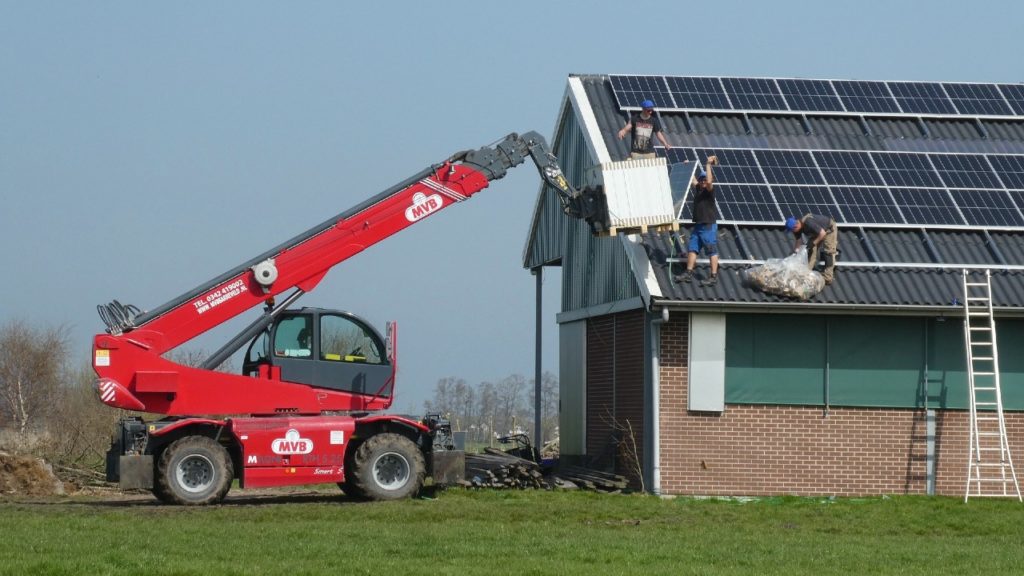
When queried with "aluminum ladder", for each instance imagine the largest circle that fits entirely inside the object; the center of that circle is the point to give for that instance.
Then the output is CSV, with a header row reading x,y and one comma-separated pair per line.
x,y
989,468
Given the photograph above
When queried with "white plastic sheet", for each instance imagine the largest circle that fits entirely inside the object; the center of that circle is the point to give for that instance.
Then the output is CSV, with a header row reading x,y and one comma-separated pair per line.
x,y
787,277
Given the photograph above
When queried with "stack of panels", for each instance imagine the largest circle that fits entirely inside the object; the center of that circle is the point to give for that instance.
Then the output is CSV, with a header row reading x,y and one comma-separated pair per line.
x,y
799,95
858,188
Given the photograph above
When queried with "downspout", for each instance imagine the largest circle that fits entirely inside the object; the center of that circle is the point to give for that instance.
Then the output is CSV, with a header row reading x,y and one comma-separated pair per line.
x,y
656,401
828,371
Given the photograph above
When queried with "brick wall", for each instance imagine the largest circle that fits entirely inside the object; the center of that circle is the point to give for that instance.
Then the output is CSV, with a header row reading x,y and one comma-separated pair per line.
x,y
763,450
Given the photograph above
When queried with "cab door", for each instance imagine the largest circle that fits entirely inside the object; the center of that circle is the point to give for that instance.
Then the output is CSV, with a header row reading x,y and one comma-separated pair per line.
x,y
351,356
292,342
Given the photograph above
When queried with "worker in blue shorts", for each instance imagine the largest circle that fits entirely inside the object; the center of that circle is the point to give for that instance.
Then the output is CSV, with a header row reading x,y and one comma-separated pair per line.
x,y
705,224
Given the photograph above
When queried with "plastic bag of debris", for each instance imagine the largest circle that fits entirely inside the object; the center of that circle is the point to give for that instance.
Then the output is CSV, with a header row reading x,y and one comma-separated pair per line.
x,y
787,277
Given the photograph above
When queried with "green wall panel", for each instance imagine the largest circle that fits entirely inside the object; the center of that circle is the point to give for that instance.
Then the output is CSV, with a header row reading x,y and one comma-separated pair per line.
x,y
1010,335
947,364
773,359
875,361
872,361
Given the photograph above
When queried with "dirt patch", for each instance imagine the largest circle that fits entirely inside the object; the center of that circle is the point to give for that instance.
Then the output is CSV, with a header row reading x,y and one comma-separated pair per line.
x,y
27,476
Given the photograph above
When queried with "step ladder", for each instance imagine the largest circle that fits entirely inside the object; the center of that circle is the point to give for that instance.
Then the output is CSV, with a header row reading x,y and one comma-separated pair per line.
x,y
990,468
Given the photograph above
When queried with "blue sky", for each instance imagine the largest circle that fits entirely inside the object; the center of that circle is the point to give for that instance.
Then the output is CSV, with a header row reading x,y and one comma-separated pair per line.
x,y
148,147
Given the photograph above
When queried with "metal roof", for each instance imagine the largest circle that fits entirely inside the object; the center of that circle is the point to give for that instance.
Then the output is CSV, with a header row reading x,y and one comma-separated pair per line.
x,y
895,271
892,284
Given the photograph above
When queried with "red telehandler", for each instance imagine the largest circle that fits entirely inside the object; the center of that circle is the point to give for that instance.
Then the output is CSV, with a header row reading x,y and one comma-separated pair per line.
x,y
312,379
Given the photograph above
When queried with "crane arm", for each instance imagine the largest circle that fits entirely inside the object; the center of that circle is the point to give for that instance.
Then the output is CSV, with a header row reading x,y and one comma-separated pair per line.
x,y
302,261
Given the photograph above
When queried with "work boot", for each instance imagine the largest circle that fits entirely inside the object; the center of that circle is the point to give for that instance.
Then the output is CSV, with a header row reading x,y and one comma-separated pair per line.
x,y
710,281
685,277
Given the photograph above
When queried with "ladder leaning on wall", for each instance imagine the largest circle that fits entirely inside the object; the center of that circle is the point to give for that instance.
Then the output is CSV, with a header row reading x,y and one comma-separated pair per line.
x,y
990,467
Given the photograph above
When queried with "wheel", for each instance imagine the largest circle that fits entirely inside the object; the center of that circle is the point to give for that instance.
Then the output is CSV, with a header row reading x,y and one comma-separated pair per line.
x,y
349,486
193,470
386,467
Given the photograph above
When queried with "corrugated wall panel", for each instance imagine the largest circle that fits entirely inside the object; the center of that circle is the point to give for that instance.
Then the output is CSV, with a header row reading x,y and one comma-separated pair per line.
x,y
629,393
572,373
615,389
600,392
571,149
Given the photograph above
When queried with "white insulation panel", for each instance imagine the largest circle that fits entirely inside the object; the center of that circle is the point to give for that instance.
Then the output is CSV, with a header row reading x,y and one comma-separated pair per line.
x,y
638,192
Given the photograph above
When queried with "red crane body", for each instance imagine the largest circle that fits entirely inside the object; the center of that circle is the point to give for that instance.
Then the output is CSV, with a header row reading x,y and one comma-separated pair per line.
x,y
292,433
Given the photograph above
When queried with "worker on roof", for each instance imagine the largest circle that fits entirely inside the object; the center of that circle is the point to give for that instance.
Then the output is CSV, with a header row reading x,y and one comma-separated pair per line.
x,y
643,126
820,231
705,224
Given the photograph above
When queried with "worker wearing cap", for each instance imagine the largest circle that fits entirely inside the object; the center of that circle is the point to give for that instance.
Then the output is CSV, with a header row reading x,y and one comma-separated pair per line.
x,y
820,231
705,224
643,127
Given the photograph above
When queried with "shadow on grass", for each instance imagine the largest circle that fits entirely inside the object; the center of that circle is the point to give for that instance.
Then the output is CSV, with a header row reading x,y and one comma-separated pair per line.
x,y
232,500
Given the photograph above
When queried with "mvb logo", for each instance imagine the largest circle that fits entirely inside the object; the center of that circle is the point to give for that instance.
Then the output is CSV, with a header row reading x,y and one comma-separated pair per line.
x,y
292,443
423,205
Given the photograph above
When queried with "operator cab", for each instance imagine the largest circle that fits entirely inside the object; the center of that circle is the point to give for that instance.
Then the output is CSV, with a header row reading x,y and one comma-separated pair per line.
x,y
323,348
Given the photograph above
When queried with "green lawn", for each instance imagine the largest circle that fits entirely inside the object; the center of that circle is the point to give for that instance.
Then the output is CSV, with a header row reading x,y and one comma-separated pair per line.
x,y
512,532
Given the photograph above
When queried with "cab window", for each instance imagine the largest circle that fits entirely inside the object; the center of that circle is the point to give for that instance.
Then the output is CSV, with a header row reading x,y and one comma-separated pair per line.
x,y
343,339
294,337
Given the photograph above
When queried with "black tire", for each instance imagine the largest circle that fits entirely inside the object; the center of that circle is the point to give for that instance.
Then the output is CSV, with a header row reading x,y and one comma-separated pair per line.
x,y
193,471
348,486
160,494
386,467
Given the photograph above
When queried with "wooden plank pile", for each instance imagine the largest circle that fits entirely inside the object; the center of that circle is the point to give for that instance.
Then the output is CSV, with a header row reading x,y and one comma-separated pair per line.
x,y
588,479
497,469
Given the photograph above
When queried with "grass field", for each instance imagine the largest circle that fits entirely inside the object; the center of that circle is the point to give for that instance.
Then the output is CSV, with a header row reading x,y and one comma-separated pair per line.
x,y
531,532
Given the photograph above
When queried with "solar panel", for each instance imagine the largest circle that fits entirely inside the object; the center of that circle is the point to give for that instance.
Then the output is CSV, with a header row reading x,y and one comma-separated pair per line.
x,y
1018,198
899,169
867,205
927,206
847,168
746,203
860,96
789,167
810,95
987,207
734,166
676,155
754,94
1010,169
1014,94
965,171
630,91
799,200
922,97
860,188
981,99
697,92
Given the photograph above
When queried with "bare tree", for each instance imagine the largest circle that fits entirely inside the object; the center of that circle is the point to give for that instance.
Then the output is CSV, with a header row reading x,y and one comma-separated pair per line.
x,y
549,406
81,426
31,369
511,394
443,401
195,357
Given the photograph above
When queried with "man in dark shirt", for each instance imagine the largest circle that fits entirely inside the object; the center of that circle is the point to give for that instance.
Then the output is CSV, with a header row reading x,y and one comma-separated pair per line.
x,y
820,231
643,127
705,227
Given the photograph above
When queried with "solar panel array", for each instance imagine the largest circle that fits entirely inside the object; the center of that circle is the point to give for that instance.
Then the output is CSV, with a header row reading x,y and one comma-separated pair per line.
x,y
819,96
889,189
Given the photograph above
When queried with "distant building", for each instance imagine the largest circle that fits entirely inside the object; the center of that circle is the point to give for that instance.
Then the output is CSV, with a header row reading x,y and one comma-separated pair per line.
x,y
860,390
